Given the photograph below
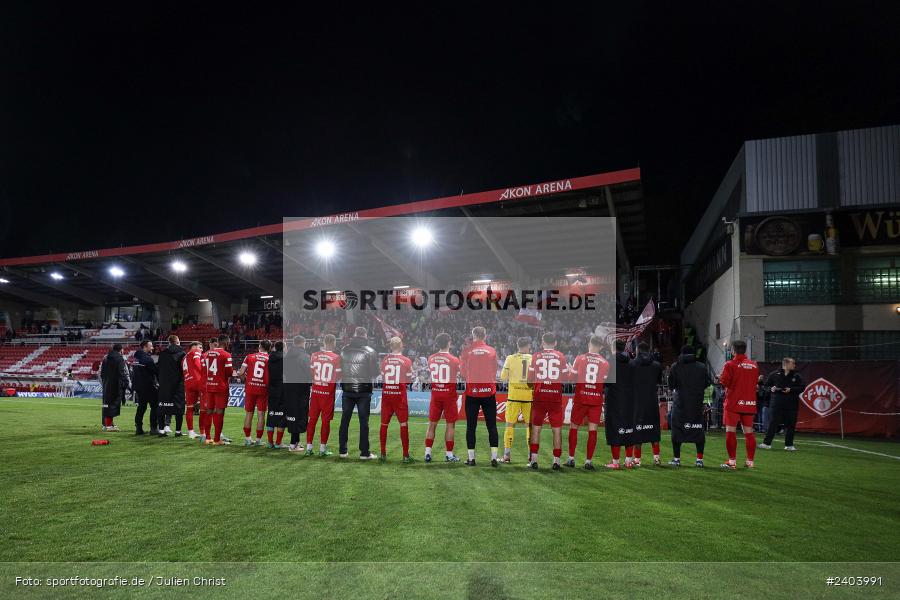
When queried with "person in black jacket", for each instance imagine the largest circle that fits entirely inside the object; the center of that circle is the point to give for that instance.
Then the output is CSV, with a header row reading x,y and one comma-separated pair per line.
x,y
619,412
786,386
359,368
171,385
275,416
114,376
762,404
689,379
146,386
647,374
296,391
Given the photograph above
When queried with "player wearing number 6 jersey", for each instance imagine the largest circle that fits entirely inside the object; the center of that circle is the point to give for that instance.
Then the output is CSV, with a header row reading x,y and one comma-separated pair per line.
x,y
548,368
256,395
518,397
325,368
396,373
444,369
588,371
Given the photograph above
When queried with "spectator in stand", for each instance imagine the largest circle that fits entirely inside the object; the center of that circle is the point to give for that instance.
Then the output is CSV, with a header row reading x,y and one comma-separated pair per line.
x,y
114,375
146,385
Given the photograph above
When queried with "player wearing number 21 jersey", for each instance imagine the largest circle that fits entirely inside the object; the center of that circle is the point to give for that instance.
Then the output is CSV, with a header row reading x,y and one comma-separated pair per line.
x,y
443,368
589,372
396,373
325,369
548,371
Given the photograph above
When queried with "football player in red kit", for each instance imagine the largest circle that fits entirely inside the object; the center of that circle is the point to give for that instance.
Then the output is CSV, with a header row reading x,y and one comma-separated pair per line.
x,y
478,366
205,411
588,371
547,371
256,390
219,370
325,370
739,377
192,370
444,370
396,373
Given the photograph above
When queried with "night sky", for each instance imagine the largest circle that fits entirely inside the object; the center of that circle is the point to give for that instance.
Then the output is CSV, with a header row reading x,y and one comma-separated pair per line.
x,y
122,126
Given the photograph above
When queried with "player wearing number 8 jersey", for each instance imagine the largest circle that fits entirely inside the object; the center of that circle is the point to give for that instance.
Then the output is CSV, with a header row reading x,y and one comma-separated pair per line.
x,y
325,368
588,371
396,373
547,371
256,390
443,368
518,397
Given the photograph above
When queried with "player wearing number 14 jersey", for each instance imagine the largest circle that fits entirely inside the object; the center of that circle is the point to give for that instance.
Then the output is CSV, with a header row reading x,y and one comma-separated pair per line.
x,y
444,369
588,371
547,372
218,371
325,367
396,373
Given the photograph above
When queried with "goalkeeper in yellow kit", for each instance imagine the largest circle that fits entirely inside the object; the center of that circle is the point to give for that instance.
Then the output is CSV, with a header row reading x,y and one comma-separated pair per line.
x,y
518,399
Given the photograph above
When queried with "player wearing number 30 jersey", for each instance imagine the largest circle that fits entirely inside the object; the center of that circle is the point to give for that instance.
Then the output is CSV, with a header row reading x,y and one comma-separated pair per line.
x,y
589,372
396,373
325,368
444,370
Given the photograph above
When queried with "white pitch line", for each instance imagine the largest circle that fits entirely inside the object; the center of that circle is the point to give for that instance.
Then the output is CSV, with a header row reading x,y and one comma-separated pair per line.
x,y
859,450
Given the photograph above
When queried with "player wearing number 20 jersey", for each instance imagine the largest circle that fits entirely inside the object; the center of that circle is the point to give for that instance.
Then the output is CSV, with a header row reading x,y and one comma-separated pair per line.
x,y
547,372
325,370
589,372
443,368
396,373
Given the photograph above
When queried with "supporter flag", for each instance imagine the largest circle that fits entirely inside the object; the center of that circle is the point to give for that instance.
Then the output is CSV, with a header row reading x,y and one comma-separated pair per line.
x,y
388,331
611,332
529,316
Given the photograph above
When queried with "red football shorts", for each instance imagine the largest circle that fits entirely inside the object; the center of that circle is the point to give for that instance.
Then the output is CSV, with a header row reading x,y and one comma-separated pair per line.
x,y
321,404
552,409
732,418
443,406
591,411
256,400
192,396
216,400
394,406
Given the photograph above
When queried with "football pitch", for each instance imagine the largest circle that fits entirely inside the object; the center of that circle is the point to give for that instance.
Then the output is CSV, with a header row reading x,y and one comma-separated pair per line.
x,y
274,524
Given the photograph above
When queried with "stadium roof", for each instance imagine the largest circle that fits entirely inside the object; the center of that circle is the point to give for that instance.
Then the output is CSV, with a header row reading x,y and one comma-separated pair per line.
x,y
109,275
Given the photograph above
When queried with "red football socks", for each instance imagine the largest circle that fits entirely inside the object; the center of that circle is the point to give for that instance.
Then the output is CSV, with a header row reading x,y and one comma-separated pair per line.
x,y
616,452
218,422
279,435
573,441
655,448
557,452
591,445
731,444
382,436
189,417
404,439
429,442
449,445
259,433
311,429
107,421
270,436
699,456
246,432
326,430
629,451
534,450
750,441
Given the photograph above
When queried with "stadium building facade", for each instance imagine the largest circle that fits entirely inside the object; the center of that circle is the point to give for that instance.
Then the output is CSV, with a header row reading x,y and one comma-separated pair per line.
x,y
799,251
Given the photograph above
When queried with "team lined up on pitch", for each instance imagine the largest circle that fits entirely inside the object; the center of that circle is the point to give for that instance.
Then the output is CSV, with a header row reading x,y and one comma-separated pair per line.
x,y
181,381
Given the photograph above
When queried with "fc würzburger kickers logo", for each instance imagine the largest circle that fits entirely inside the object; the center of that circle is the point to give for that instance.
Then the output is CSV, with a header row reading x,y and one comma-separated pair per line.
x,y
822,397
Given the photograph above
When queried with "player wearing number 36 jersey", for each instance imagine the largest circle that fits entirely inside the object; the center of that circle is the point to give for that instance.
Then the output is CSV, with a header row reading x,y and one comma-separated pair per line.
x,y
443,368
589,372
325,368
548,370
396,373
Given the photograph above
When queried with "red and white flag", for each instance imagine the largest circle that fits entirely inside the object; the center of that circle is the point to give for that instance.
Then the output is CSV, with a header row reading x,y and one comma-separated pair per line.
x,y
388,331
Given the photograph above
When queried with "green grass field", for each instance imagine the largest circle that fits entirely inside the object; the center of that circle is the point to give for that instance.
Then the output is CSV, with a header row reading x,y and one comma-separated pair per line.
x,y
346,528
